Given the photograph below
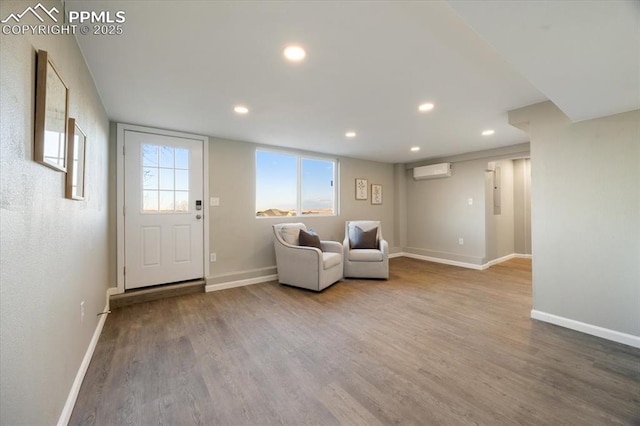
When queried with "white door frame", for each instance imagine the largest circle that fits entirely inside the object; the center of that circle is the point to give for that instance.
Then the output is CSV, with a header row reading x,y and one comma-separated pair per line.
x,y
121,128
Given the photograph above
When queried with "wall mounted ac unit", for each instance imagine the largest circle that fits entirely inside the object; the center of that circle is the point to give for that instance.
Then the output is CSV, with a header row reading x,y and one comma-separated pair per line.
x,y
433,171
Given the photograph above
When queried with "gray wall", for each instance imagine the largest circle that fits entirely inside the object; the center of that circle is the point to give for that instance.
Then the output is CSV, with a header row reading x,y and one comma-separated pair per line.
x,y
400,207
500,227
53,251
585,216
438,214
522,206
243,243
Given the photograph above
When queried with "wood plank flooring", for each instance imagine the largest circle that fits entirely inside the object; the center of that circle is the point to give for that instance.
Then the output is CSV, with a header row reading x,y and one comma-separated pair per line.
x,y
131,297
433,345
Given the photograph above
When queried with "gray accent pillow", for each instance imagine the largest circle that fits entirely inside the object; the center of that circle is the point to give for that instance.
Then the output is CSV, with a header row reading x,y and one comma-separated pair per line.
x,y
308,239
365,239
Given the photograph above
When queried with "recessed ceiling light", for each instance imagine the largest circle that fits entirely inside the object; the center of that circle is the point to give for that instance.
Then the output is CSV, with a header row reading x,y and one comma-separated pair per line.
x,y
350,134
294,53
488,132
240,109
415,148
425,107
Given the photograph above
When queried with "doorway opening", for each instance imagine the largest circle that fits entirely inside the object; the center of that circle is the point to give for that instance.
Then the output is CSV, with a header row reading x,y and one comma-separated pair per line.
x,y
162,221
508,208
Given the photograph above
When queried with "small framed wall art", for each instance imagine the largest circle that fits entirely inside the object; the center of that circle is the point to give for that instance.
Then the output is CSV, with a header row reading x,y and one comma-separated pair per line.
x,y
52,111
361,189
76,154
376,194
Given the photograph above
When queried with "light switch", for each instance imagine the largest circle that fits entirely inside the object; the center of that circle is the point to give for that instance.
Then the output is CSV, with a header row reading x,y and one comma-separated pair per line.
x,y
470,201
214,201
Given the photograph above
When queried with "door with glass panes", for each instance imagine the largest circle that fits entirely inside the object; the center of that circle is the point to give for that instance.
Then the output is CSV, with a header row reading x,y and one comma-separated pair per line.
x,y
164,219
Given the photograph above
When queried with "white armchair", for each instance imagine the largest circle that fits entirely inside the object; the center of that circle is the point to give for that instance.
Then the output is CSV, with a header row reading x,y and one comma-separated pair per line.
x,y
365,262
306,267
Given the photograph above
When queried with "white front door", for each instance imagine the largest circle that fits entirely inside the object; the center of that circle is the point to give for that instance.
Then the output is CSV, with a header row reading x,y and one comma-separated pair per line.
x,y
164,214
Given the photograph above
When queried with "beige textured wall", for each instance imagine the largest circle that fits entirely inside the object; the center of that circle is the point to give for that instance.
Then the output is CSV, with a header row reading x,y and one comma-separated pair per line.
x,y
585,216
438,214
522,205
243,243
53,251
400,206
500,227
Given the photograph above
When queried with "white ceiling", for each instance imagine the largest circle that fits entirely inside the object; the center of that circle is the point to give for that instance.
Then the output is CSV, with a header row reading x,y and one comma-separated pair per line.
x,y
183,65
583,55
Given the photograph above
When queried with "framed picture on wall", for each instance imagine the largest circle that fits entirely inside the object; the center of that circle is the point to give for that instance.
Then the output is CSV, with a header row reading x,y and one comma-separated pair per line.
x,y
361,189
52,112
376,194
76,154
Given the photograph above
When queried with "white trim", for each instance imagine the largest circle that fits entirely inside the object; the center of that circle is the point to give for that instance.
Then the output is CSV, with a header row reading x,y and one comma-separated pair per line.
x,y
245,272
120,255
77,383
398,254
240,283
498,260
594,330
445,261
523,256
206,210
505,258
119,207
463,264
111,291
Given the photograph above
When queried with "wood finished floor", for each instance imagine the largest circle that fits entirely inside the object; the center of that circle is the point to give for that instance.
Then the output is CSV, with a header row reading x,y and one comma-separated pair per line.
x,y
435,344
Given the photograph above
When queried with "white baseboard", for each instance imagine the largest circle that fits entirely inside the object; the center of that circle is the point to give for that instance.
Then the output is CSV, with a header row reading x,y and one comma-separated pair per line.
x,y
240,283
273,277
594,330
505,258
75,388
498,260
441,260
463,264
111,291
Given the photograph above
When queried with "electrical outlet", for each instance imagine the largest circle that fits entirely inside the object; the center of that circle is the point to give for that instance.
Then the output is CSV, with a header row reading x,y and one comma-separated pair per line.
x,y
212,257
461,241
81,312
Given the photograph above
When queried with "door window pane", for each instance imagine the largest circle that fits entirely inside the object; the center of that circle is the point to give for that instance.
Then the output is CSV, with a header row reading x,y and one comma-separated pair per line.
x,y
166,201
150,155
149,178
182,158
165,179
149,201
182,201
166,157
182,180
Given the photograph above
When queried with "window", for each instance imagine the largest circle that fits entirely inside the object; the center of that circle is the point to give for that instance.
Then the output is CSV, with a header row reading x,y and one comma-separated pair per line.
x,y
293,185
165,179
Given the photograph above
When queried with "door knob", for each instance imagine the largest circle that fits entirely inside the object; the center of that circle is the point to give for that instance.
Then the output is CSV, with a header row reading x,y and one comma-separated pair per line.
x,y
198,216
